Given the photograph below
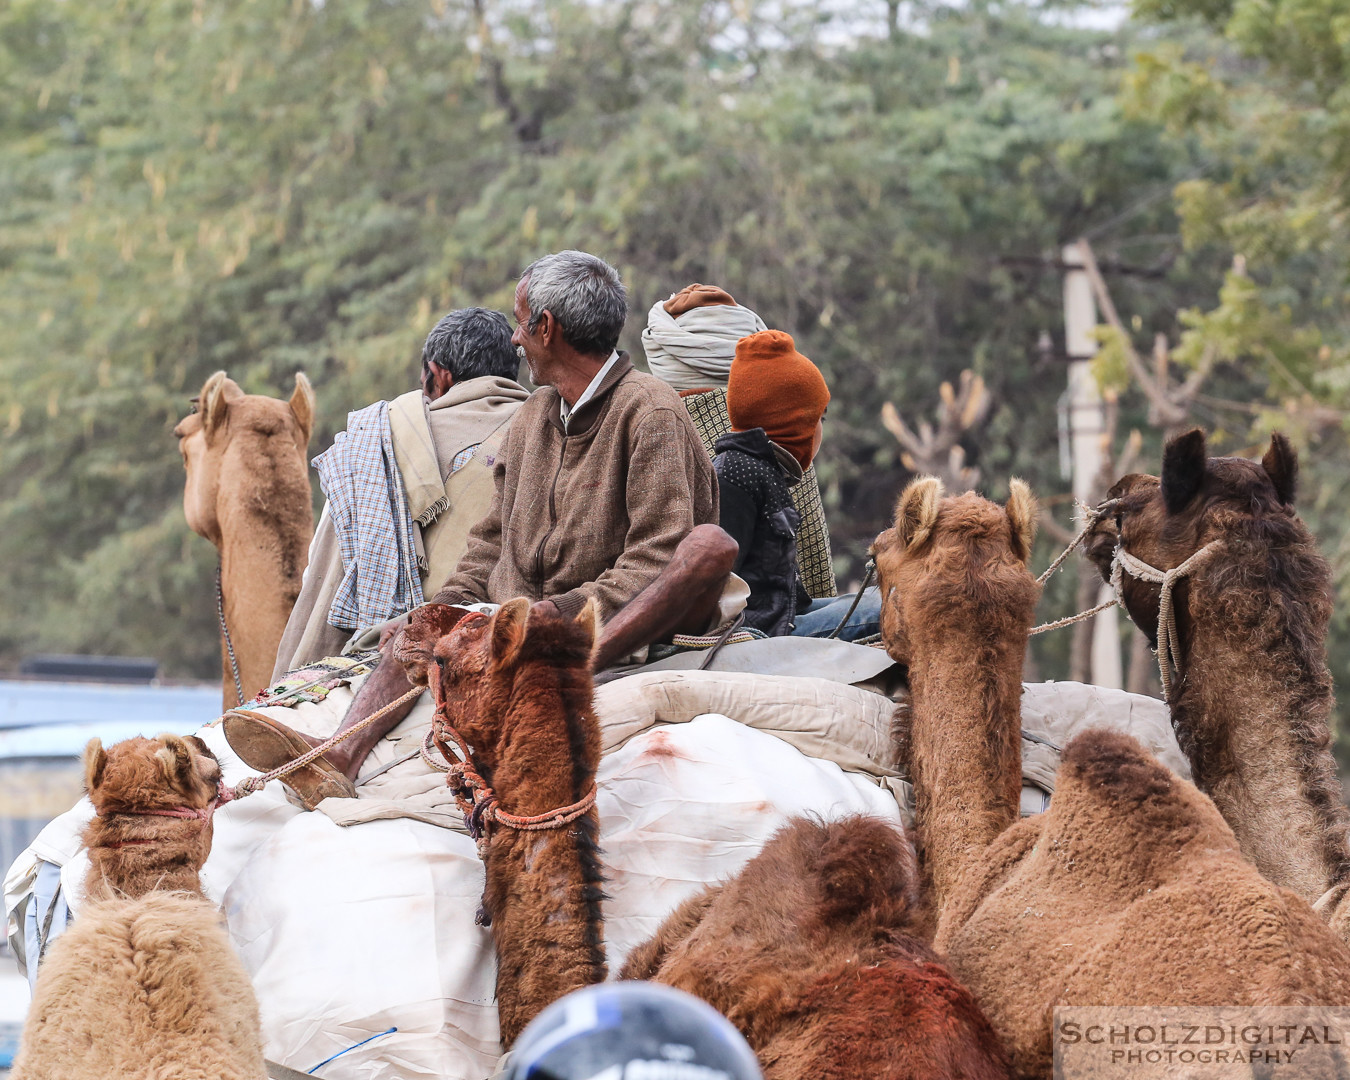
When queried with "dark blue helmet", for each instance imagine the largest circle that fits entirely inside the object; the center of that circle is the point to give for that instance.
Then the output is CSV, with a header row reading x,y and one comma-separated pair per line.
x,y
631,1031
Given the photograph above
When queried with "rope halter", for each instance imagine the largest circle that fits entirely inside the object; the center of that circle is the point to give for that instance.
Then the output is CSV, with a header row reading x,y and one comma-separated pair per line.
x,y
478,802
1169,641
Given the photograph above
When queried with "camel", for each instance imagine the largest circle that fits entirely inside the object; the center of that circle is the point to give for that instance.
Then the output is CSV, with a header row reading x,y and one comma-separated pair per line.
x,y
145,984
814,952
1252,710
822,906
1130,888
517,688
153,800
248,493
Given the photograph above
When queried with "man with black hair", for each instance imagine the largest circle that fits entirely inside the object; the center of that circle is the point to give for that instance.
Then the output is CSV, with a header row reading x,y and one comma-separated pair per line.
x,y
443,440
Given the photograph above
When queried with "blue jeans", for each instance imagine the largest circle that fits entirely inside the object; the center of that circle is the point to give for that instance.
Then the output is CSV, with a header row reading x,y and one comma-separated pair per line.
x,y
820,619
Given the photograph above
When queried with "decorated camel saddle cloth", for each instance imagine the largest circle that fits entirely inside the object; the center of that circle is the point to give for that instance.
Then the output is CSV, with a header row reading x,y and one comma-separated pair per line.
x,y
357,922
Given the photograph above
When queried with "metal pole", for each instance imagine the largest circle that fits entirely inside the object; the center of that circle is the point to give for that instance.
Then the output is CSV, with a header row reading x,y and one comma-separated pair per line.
x,y
1086,432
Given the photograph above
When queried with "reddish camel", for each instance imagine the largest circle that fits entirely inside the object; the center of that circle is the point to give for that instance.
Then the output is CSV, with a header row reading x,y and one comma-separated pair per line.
x,y
1252,703
517,687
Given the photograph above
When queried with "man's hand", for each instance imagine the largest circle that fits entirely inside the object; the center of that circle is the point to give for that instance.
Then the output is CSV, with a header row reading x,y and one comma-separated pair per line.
x,y
391,628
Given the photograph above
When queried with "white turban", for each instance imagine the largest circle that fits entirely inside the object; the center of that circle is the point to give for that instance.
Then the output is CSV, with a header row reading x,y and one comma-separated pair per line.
x,y
695,349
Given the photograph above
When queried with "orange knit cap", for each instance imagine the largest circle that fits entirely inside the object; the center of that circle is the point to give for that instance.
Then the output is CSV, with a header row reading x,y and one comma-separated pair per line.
x,y
775,387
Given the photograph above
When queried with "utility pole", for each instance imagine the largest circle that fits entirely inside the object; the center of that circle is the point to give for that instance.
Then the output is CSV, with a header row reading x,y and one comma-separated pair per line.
x,y
1087,428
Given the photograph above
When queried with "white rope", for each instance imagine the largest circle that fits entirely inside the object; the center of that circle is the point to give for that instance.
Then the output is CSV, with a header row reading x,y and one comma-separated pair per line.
x,y
1169,641
1071,619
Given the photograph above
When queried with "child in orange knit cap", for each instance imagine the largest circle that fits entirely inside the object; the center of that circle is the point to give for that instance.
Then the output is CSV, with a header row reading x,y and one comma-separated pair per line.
x,y
776,399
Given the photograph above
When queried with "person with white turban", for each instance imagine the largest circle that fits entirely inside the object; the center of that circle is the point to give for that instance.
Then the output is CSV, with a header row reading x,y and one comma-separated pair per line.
x,y
690,341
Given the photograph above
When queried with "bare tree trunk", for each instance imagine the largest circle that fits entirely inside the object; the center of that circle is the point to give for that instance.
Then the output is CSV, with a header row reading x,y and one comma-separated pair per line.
x,y
1080,649
1140,679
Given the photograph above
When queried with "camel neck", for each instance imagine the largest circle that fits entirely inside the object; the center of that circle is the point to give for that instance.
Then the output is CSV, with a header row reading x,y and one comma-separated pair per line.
x,y
129,857
1253,716
543,888
260,578
964,752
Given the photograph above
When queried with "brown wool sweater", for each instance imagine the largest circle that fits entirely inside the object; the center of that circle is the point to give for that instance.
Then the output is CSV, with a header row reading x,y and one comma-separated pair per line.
x,y
596,512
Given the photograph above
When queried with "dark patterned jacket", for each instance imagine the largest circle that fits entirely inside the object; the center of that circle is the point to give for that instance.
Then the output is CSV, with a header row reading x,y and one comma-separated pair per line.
x,y
754,477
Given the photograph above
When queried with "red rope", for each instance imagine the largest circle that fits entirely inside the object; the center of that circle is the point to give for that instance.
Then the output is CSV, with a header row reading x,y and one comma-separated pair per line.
x,y
478,802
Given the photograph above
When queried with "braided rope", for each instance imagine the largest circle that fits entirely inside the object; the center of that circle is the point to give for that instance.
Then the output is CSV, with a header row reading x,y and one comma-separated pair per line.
x,y
1090,518
1069,620
250,784
1169,641
229,645
478,802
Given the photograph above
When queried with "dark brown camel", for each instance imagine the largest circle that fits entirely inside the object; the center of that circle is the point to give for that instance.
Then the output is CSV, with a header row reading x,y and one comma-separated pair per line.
x,y
517,687
813,951
1252,704
1130,888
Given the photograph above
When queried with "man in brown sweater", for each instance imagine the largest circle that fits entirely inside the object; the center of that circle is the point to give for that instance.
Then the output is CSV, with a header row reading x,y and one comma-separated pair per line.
x,y
603,475
603,490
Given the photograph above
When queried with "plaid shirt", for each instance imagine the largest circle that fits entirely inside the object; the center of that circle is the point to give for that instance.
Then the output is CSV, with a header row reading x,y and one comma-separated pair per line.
x,y
369,510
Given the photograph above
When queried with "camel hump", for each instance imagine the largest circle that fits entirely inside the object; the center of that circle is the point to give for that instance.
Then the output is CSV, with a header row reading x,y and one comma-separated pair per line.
x,y
1113,793
862,867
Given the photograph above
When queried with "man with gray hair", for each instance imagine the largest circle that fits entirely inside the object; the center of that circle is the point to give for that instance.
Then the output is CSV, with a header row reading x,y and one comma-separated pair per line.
x,y
604,490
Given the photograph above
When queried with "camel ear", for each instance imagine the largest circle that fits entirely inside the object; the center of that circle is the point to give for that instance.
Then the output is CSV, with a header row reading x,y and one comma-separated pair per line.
x,y
175,761
95,761
302,407
916,512
588,618
508,630
1281,465
213,404
1183,469
1021,509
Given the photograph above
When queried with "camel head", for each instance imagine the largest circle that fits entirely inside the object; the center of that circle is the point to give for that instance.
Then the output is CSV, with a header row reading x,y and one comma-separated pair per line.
x,y
141,774
955,563
232,442
1165,520
495,674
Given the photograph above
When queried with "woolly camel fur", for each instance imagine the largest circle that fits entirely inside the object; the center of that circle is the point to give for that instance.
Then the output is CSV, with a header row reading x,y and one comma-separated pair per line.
x,y
1253,710
248,493
1130,889
144,985
813,952
823,906
517,687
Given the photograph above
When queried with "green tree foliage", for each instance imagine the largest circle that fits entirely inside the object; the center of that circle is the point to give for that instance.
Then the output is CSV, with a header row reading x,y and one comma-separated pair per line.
x,y
189,185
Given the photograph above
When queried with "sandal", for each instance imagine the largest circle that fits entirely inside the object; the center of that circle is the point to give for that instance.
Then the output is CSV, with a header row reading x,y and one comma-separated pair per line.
x,y
264,744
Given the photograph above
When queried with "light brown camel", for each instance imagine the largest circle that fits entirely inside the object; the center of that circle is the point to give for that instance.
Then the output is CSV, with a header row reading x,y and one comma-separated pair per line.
x,y
144,984
811,950
1130,889
248,493
517,687
153,800
1252,709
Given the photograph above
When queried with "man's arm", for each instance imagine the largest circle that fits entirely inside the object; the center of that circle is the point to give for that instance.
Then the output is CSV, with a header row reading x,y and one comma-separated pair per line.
x,y
660,504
